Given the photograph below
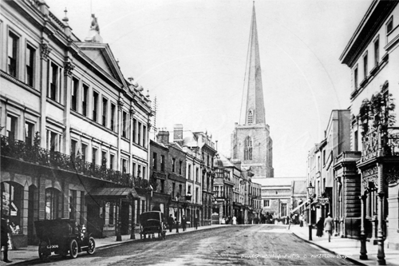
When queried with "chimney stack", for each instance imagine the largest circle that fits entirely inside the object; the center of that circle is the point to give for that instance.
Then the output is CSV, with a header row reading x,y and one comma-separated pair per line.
x,y
178,133
163,137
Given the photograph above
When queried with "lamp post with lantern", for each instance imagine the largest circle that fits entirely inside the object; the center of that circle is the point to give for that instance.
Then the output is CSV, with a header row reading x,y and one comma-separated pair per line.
x,y
310,189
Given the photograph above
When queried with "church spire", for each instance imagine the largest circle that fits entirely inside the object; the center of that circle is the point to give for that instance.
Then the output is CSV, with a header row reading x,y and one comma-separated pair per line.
x,y
252,106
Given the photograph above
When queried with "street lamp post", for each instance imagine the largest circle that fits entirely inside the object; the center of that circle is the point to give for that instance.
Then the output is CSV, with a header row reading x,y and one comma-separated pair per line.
x,y
310,195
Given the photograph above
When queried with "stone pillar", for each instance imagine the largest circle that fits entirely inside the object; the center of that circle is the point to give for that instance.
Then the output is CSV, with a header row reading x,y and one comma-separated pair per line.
x,y
78,213
119,126
132,220
44,52
68,67
25,209
138,209
363,236
119,221
381,216
42,198
65,198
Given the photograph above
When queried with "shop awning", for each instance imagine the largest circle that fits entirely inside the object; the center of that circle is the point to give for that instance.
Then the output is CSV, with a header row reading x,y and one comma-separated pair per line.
x,y
298,207
114,192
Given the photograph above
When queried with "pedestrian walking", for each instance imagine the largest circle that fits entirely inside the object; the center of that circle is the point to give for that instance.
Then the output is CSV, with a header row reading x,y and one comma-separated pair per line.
x,y
320,227
5,230
177,225
301,220
234,220
183,222
170,222
196,222
328,226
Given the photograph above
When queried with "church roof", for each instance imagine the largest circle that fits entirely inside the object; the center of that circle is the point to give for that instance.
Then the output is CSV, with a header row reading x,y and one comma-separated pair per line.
x,y
252,106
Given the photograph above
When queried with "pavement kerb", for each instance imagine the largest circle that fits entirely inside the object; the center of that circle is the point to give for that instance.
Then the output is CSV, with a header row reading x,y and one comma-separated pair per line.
x,y
329,250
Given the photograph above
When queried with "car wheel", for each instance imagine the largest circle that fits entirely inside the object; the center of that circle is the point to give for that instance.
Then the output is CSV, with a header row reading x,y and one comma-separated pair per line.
x,y
91,247
73,249
44,253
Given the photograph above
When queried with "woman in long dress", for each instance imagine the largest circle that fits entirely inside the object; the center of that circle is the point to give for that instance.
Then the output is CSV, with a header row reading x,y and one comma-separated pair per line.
x,y
320,227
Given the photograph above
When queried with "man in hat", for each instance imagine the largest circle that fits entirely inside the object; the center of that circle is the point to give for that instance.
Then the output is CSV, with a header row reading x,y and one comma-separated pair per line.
x,y
5,229
328,226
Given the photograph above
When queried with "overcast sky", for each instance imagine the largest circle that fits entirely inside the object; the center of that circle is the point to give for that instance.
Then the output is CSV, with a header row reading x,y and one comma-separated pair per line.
x,y
191,55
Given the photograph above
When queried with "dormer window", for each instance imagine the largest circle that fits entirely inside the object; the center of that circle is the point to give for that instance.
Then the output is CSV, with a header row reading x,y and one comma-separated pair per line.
x,y
250,116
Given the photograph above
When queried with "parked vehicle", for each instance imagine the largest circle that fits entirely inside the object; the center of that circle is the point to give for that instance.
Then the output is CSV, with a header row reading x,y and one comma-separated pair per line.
x,y
63,237
152,222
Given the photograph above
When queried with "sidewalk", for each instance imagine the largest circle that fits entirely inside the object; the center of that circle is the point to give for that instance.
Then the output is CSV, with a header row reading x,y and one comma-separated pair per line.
x,y
31,252
346,246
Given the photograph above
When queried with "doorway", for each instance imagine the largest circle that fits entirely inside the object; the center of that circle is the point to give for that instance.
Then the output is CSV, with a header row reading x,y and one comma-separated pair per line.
x,y
125,218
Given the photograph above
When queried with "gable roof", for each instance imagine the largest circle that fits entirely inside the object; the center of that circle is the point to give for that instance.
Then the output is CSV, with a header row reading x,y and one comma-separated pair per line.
x,y
102,59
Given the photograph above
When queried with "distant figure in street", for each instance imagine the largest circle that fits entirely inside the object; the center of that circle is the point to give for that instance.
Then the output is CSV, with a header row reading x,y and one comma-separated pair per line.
x,y
177,225
5,230
170,222
234,220
320,227
328,226
301,220
196,222
183,222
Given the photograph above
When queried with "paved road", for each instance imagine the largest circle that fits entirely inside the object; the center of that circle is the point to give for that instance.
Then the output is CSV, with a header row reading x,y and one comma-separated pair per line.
x,y
235,245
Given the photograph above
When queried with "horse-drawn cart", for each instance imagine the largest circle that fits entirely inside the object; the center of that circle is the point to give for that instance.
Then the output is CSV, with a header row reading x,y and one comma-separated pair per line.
x,y
152,222
63,237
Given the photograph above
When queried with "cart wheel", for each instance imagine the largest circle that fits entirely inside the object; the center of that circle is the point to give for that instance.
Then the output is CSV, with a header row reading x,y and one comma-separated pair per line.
x,y
91,246
43,252
73,248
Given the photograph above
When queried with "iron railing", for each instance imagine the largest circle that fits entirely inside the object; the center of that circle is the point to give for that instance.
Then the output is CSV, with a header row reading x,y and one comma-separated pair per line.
x,y
35,154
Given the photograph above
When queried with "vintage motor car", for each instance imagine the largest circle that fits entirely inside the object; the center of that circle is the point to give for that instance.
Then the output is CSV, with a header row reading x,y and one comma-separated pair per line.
x,y
152,222
63,237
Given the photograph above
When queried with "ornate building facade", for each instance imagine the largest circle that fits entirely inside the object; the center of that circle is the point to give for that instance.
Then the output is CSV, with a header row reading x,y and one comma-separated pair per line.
x,y
74,131
373,59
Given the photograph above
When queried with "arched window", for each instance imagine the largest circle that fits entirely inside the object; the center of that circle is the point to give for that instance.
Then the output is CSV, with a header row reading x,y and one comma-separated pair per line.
x,y
248,148
250,117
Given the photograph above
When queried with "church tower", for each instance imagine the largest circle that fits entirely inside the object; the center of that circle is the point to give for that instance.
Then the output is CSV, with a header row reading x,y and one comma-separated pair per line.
x,y
251,142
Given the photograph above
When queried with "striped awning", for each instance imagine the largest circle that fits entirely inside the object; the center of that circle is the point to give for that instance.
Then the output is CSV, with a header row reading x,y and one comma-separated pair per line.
x,y
114,192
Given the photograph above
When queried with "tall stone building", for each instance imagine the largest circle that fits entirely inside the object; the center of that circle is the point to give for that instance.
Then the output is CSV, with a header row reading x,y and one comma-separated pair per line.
x,y
251,142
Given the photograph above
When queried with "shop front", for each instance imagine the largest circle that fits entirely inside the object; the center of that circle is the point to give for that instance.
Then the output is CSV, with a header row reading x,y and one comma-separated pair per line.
x,y
110,211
